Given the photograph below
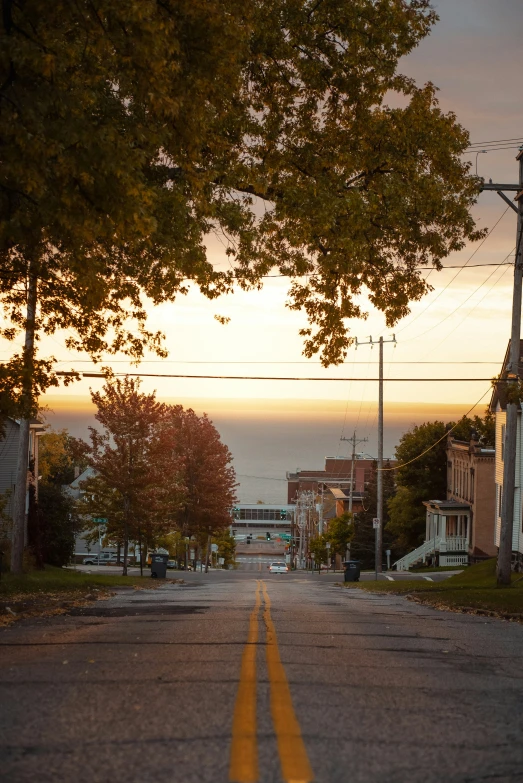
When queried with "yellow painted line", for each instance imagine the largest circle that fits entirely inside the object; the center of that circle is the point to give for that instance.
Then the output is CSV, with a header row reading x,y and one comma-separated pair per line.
x,y
243,767
295,765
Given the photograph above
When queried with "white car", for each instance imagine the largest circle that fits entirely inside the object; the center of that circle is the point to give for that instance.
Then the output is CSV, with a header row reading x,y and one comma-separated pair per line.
x,y
278,567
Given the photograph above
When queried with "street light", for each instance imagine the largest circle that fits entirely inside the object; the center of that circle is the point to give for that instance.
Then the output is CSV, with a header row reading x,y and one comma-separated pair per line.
x,y
478,153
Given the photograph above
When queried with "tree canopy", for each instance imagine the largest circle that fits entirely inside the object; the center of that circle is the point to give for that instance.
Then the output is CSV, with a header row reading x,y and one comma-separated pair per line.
x,y
131,130
157,469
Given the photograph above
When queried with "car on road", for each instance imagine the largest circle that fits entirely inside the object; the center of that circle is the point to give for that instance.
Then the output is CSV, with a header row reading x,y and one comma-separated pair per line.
x,y
171,564
278,567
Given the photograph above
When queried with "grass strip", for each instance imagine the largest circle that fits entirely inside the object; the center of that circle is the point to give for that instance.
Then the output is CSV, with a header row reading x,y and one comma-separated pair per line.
x,y
472,591
56,591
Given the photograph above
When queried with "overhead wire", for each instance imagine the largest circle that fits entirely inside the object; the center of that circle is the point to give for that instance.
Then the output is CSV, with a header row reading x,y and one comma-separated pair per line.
x,y
398,331
503,273
449,315
82,374
447,433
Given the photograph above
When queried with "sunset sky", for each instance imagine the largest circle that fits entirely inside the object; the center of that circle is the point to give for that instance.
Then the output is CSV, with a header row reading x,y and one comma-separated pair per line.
x,y
459,330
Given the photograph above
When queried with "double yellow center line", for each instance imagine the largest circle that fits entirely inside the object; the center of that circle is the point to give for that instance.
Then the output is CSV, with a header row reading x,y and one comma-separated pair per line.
x,y
295,765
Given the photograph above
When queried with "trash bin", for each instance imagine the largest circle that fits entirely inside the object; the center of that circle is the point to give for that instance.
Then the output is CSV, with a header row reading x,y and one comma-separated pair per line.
x,y
352,570
159,566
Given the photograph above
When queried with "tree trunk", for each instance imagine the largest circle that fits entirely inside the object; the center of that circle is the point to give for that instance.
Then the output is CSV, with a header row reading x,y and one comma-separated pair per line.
x,y
140,549
20,491
125,536
207,552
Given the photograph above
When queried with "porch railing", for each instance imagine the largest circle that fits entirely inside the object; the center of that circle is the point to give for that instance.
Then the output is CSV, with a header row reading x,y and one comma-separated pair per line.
x,y
442,545
453,544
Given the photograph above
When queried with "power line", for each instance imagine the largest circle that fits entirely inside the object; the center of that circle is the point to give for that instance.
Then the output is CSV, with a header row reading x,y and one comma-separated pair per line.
x,y
206,361
447,432
262,377
456,275
494,284
265,478
449,315
493,141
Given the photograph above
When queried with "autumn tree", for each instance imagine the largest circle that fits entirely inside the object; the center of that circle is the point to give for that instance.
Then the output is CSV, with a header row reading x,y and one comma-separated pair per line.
x,y
207,474
340,533
121,454
129,131
60,456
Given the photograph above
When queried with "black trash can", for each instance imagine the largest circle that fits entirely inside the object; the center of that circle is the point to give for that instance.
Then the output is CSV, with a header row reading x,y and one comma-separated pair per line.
x,y
352,570
159,566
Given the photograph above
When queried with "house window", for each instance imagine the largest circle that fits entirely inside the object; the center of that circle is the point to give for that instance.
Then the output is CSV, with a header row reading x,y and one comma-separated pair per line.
x,y
503,434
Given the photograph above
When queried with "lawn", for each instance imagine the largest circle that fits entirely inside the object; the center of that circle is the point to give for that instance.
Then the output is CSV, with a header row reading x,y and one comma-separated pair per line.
x,y
56,590
473,590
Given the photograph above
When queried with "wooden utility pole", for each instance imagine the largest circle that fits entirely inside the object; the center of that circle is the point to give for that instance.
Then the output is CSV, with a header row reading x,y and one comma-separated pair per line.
x,y
379,527
509,452
20,491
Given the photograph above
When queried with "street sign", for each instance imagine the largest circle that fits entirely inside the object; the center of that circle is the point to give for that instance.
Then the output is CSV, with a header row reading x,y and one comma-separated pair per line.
x,y
221,561
328,544
214,547
99,520
375,522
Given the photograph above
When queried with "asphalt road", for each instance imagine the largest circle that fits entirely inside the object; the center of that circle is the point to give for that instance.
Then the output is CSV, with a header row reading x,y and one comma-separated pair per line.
x,y
259,565
236,678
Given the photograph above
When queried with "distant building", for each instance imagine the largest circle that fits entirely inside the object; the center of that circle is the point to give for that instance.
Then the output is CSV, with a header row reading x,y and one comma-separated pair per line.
x,y
334,483
261,520
83,547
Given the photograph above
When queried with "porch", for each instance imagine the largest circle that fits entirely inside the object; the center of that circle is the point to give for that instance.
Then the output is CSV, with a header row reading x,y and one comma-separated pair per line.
x,y
447,535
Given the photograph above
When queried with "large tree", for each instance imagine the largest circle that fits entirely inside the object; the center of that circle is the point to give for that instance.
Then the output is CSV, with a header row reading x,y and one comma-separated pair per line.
x,y
206,472
131,129
126,465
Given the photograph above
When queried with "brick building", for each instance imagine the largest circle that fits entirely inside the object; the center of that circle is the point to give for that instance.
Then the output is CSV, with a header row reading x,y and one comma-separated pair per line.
x,y
333,483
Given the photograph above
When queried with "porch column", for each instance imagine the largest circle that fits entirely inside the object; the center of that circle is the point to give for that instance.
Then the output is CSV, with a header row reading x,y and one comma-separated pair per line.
x,y
443,528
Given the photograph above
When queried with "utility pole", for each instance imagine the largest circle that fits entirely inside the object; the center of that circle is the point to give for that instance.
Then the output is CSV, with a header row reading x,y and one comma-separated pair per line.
x,y
379,527
509,467
354,444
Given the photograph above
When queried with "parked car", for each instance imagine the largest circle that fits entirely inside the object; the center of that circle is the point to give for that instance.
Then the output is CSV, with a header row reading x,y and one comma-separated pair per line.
x,y
104,558
171,564
278,567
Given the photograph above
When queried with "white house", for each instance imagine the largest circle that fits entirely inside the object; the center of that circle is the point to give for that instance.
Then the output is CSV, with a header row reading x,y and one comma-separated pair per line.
x,y
498,407
9,459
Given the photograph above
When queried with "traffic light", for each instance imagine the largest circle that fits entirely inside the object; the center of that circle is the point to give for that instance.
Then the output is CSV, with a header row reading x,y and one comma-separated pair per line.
x,y
236,513
283,513
268,536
